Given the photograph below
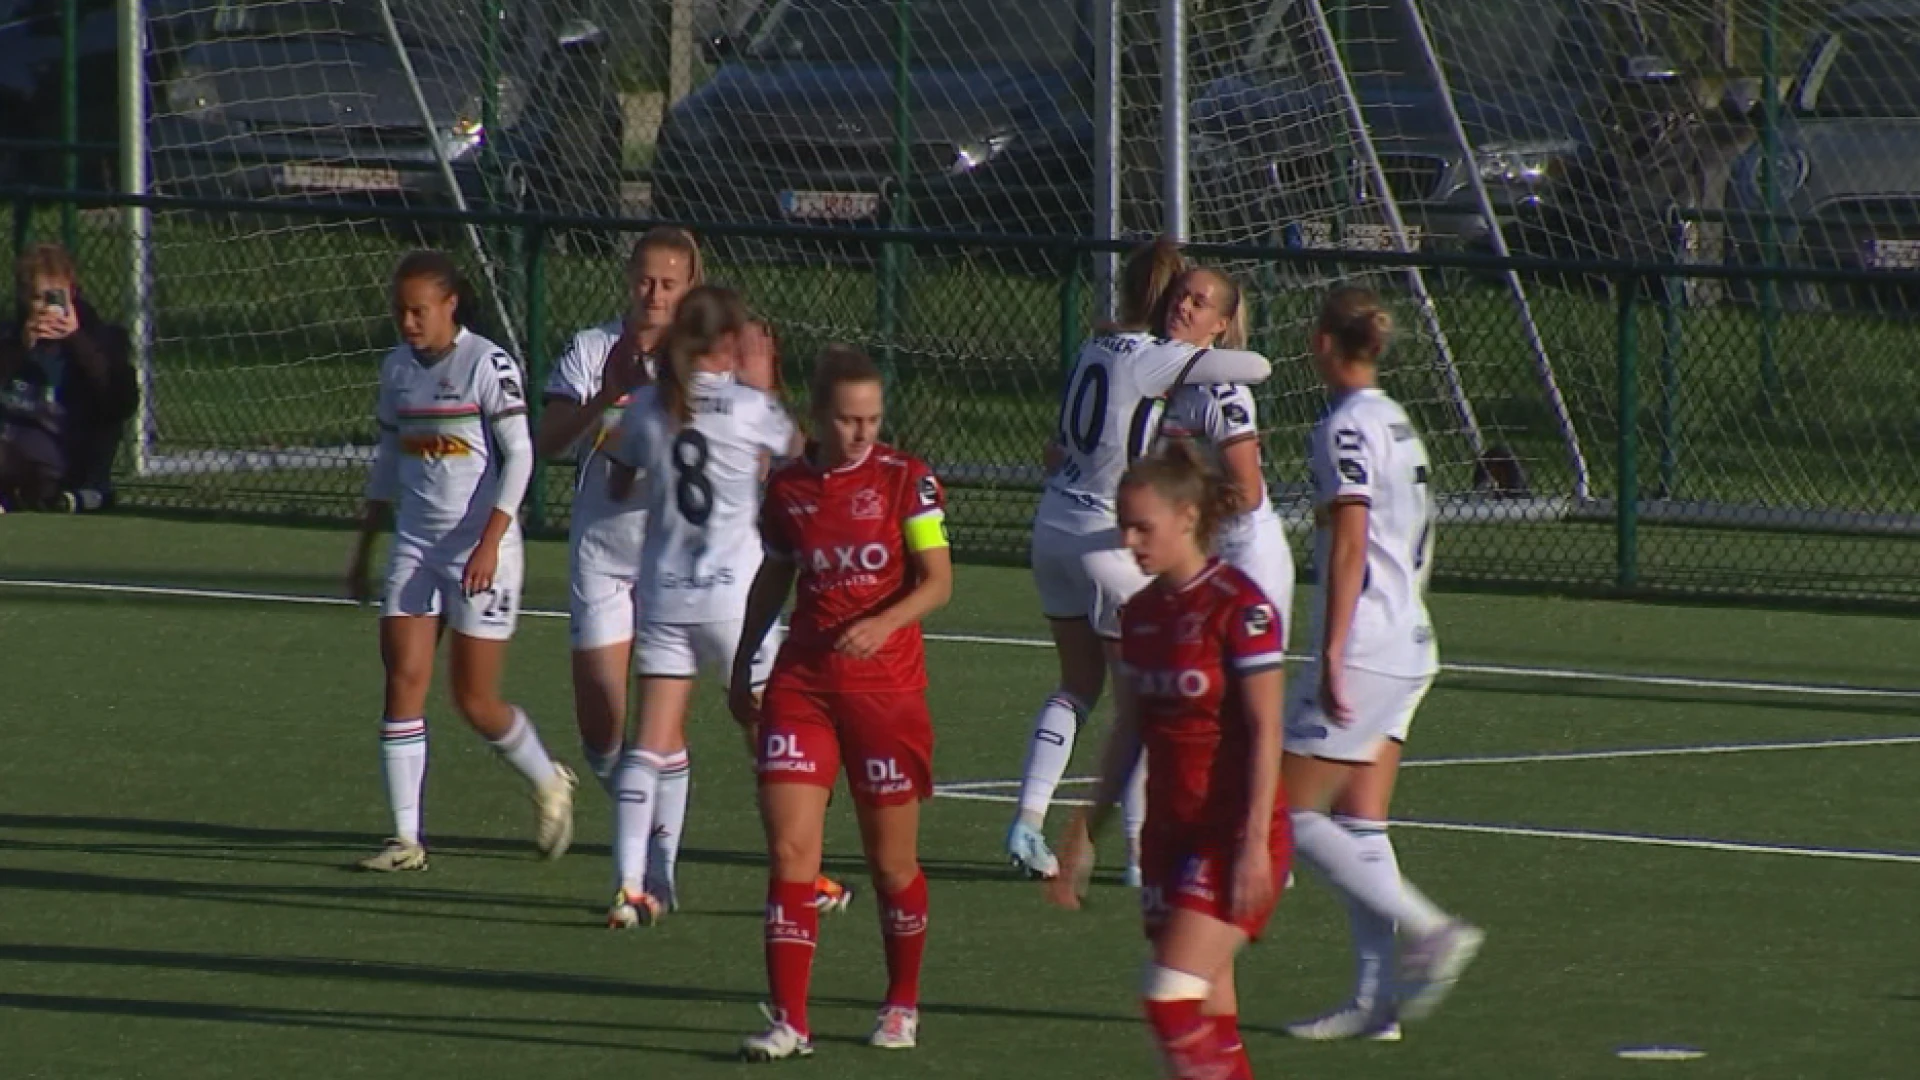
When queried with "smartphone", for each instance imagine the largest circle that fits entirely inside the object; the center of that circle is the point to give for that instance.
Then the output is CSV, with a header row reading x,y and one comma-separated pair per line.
x,y
55,298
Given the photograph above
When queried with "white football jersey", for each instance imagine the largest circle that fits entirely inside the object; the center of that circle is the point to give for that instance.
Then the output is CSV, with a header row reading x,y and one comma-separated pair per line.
x,y
1218,415
1110,416
1366,449
605,535
703,504
442,414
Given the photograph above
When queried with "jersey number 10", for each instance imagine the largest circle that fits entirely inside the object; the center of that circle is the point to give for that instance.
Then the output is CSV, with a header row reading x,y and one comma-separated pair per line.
x,y
1084,421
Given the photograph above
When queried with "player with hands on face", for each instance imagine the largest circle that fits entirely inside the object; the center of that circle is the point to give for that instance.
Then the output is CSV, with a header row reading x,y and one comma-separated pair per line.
x,y
857,531
703,434
1199,686
1374,660
452,465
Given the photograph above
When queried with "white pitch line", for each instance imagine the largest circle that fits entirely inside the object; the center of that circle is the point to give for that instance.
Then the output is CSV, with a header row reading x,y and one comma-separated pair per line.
x,y
1571,674
1738,847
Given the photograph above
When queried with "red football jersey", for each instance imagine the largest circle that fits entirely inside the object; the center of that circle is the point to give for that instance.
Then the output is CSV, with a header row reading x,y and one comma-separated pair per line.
x,y
847,532
1186,651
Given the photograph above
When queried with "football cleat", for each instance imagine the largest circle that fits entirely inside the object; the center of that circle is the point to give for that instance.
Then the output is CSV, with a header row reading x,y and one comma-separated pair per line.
x,y
397,856
830,897
633,909
554,834
781,1040
1349,1021
1029,852
898,1028
1433,962
664,891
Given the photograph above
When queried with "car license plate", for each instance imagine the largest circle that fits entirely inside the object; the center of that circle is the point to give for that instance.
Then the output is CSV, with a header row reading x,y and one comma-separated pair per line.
x,y
1356,237
339,178
830,205
1893,254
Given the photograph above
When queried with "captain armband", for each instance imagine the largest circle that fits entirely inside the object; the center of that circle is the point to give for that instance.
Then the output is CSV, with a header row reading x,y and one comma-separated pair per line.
x,y
925,532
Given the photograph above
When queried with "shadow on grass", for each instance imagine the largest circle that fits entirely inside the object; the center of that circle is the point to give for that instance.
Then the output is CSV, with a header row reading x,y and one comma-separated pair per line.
x,y
332,969
482,1028
351,845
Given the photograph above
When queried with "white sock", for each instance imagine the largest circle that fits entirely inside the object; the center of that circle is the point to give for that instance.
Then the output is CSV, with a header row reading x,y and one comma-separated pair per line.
x,y
602,764
1133,809
1049,752
636,793
522,749
1374,884
403,761
669,817
1373,940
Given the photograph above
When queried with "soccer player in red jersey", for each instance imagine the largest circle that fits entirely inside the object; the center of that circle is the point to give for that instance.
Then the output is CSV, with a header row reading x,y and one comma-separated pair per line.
x,y
861,529
1201,650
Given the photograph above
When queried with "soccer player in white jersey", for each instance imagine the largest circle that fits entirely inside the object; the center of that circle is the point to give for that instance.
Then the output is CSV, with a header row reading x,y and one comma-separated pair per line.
x,y
1203,307
1110,415
453,463
587,393
704,440
1374,659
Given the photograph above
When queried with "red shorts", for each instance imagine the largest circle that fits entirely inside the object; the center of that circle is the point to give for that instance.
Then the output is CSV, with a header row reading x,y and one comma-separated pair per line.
x,y
885,740
1193,870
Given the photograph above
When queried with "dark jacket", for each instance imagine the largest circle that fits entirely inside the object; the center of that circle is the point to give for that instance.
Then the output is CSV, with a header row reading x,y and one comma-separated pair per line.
x,y
97,392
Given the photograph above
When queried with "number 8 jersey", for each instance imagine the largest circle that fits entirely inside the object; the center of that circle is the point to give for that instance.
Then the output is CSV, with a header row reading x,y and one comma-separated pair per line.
x,y
1366,450
703,495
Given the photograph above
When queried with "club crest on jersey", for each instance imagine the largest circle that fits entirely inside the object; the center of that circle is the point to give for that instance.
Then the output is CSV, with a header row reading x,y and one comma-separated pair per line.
x,y
445,392
1257,620
1189,628
867,506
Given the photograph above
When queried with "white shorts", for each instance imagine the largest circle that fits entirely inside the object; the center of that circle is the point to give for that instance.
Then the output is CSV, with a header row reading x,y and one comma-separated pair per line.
x,y
419,587
1085,576
601,609
1259,550
1382,708
680,650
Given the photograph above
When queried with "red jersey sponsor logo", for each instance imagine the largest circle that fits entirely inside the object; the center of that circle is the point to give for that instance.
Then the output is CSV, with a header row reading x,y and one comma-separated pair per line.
x,y
842,529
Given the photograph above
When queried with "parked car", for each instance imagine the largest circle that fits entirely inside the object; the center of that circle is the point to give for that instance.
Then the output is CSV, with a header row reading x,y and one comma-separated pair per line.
x,y
799,125
1271,157
278,98
311,99
1846,176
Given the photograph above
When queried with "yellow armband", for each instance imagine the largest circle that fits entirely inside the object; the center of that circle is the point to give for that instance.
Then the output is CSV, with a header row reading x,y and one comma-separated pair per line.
x,y
925,532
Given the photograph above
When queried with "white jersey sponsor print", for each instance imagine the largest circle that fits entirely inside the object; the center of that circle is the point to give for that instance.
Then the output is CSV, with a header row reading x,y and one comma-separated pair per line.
x,y
605,535
703,501
1366,450
438,418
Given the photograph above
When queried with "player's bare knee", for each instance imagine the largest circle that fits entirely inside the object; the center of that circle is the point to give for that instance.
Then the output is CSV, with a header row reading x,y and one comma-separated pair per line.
x,y
894,876
794,857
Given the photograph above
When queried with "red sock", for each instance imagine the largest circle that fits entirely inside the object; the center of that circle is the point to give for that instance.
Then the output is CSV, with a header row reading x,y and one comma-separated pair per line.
x,y
1226,1029
793,924
903,929
1189,1042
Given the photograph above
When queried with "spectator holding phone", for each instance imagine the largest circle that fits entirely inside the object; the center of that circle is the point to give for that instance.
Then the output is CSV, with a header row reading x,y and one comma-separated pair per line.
x,y
67,389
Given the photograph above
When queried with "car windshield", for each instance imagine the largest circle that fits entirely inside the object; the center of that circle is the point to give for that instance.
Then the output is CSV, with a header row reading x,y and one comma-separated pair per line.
x,y
941,33
450,24
1873,74
1490,41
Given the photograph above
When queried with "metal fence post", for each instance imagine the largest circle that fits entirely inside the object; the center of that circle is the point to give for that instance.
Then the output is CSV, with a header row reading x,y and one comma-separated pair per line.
x,y
1672,299
1770,196
1070,329
1627,497
534,244
70,120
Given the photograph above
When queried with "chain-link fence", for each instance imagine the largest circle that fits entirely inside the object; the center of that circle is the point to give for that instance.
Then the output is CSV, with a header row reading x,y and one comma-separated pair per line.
x,y
1734,449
